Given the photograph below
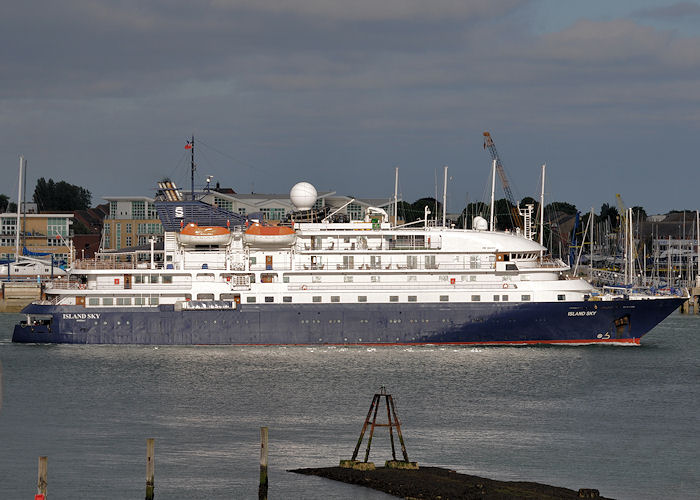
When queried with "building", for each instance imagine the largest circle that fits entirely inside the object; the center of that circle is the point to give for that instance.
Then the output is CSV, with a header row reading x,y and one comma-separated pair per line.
x,y
39,234
131,222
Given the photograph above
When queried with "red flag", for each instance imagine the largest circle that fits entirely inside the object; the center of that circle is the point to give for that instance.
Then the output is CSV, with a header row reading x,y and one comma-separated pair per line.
x,y
189,146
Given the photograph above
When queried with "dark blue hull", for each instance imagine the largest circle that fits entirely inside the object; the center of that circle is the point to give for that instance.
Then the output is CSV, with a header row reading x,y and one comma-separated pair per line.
x,y
619,321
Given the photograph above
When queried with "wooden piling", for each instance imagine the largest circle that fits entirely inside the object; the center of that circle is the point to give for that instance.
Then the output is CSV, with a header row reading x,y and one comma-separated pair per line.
x,y
262,489
150,468
42,477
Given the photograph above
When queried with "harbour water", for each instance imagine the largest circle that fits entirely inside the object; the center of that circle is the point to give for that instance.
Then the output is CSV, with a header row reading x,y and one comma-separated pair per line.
x,y
623,420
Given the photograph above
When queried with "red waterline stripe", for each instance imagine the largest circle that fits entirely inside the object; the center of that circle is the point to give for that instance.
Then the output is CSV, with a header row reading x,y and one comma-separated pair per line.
x,y
635,341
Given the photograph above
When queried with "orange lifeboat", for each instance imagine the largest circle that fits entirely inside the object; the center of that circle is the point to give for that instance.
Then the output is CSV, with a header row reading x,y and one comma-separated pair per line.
x,y
192,234
267,236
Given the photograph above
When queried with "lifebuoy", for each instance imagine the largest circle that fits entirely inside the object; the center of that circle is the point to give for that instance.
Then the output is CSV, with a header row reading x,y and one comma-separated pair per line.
x,y
303,287
505,285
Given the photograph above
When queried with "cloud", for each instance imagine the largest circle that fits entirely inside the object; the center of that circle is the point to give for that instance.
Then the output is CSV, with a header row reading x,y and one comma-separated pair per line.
x,y
680,11
82,48
303,84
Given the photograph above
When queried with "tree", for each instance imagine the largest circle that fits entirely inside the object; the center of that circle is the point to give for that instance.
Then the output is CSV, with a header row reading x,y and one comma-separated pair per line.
x,y
61,196
561,206
404,211
611,213
4,201
639,213
468,214
503,214
418,209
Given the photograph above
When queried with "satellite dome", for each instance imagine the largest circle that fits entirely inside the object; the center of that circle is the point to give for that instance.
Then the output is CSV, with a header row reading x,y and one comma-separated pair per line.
x,y
303,195
480,224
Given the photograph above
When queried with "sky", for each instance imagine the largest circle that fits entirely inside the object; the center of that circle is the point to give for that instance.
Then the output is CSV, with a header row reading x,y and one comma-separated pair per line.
x,y
104,94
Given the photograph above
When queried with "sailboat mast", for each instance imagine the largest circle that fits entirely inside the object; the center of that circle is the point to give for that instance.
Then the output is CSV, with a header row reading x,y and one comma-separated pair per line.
x,y
591,243
544,167
697,237
19,205
444,199
396,196
493,188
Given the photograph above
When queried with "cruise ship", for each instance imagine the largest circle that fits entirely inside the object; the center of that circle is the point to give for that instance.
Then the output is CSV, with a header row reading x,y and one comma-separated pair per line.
x,y
228,279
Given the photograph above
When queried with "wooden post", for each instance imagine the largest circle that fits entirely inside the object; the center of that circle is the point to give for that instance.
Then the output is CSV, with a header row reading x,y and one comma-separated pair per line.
x,y
262,489
41,481
150,468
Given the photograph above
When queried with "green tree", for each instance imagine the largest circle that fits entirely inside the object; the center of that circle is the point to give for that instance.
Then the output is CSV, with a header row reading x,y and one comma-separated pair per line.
x,y
561,206
639,213
418,209
62,196
609,212
472,210
4,201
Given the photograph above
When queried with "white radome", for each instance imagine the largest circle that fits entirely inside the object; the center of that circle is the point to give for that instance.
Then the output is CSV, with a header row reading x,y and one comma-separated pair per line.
x,y
303,195
480,224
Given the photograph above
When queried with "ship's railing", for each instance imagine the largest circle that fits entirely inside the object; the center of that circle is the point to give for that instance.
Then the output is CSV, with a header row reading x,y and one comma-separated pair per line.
x,y
112,264
369,288
548,262
65,285
305,247
274,267
442,267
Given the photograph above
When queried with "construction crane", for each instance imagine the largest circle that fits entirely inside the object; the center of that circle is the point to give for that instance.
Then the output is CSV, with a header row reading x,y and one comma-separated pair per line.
x,y
514,212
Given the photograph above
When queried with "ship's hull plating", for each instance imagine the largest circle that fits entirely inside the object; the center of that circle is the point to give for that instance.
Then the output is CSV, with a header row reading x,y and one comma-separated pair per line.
x,y
619,321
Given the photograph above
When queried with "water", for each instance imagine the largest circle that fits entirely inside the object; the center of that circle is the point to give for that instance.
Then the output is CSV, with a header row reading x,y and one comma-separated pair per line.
x,y
620,419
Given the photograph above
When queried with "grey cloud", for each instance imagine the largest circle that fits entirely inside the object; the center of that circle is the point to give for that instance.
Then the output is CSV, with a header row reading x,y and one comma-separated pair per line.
x,y
87,48
678,10
332,89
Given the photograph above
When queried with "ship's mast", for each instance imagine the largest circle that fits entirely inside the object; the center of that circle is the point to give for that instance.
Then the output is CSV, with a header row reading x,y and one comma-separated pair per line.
x,y
193,168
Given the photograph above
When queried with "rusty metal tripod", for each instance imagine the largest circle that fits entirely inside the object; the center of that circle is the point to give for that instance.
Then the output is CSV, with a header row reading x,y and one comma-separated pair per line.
x,y
390,410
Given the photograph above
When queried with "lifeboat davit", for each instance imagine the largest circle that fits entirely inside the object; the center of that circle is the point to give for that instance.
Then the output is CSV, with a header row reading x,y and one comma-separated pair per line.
x,y
269,236
192,234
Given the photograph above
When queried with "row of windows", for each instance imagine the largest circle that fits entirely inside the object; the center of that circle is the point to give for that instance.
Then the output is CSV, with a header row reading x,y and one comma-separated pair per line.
x,y
149,228
56,226
395,298
223,204
140,279
139,210
123,301
273,213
